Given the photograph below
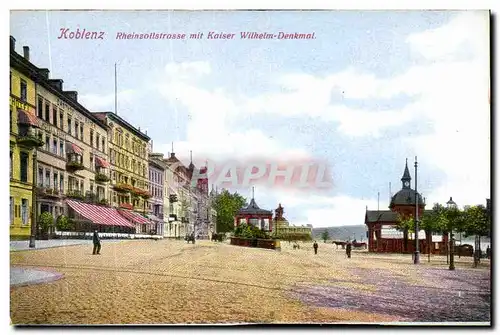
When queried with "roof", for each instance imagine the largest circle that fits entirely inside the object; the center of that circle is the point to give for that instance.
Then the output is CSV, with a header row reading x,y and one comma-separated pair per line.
x,y
405,196
381,216
30,70
123,123
253,208
406,173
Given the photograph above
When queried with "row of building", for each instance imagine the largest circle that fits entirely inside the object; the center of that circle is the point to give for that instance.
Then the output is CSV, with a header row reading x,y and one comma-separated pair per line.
x,y
96,168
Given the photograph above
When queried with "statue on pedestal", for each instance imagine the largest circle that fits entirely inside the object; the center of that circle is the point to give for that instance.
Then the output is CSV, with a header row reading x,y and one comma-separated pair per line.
x,y
278,213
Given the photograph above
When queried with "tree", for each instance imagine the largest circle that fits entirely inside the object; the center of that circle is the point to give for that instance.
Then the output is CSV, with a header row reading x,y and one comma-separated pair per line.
x,y
325,235
63,223
476,221
227,206
405,223
433,221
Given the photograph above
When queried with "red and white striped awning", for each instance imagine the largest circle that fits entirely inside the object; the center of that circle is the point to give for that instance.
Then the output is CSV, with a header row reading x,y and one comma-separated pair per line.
x,y
24,117
101,162
73,148
99,214
132,216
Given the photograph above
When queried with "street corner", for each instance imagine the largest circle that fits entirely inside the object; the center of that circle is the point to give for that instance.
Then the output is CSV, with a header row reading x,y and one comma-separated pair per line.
x,y
23,276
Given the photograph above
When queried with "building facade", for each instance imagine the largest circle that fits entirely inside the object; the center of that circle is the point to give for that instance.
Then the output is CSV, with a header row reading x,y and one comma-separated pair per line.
x,y
157,190
171,205
129,164
24,141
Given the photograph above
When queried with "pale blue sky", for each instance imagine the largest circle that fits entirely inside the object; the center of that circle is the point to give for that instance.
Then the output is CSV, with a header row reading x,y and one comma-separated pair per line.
x,y
388,47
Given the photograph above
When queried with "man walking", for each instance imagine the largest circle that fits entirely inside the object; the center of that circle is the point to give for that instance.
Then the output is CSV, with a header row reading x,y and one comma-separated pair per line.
x,y
97,243
315,246
348,249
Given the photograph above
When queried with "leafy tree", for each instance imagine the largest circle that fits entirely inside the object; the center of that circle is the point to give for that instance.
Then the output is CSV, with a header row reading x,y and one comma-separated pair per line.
x,y
325,235
63,223
46,221
405,223
476,222
227,206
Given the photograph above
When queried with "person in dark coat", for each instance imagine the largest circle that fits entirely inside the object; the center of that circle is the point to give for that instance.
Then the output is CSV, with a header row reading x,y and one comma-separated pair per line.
x,y
488,252
97,243
315,246
348,249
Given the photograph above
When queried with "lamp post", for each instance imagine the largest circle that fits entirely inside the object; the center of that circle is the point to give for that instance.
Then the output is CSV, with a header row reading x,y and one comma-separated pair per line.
x,y
451,205
416,258
33,202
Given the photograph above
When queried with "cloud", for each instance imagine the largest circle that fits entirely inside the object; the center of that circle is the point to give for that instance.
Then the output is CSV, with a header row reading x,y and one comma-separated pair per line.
x,y
106,101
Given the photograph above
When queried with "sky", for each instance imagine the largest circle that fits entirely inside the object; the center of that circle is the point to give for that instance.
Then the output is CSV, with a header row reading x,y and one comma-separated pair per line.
x,y
372,89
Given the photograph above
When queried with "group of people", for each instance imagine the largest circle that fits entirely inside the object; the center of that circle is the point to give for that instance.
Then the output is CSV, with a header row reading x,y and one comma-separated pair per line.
x,y
348,248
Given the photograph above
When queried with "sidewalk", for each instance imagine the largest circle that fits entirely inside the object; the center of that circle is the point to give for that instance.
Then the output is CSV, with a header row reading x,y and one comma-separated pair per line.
x,y
44,244
20,276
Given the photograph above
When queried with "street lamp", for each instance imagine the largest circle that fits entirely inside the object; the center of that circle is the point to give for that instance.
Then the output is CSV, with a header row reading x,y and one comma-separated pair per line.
x,y
451,205
33,202
416,258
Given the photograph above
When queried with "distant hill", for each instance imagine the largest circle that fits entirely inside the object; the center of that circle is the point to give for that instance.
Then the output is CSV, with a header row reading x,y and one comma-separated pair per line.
x,y
342,233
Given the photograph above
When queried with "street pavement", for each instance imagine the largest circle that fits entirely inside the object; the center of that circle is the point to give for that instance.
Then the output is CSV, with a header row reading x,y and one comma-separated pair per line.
x,y
44,244
20,276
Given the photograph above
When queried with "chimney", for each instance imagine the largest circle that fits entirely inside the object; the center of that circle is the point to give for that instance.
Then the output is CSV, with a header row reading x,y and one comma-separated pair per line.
x,y
73,95
45,73
26,50
12,43
56,83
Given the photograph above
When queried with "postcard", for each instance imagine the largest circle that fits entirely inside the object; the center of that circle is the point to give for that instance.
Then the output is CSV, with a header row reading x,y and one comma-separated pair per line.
x,y
250,167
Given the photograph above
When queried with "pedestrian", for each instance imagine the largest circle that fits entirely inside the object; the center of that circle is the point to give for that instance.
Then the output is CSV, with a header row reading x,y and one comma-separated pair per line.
x,y
488,252
97,243
315,246
348,249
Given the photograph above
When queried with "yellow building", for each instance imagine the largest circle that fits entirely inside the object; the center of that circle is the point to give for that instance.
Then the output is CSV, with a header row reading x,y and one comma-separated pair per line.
x,y
23,143
128,156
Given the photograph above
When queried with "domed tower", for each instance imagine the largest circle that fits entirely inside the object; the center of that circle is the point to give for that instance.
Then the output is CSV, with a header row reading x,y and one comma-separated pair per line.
x,y
403,202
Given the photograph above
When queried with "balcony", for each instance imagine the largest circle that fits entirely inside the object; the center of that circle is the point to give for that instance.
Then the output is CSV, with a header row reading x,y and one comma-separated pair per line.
x,y
101,178
73,166
127,206
48,192
75,194
29,137
122,188
94,198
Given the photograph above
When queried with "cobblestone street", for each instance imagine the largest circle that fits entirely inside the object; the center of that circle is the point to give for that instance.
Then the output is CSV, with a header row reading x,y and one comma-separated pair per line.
x,y
163,282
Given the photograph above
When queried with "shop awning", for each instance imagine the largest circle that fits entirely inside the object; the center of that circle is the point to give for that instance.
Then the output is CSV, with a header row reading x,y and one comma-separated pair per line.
x,y
101,162
73,148
133,216
99,214
24,117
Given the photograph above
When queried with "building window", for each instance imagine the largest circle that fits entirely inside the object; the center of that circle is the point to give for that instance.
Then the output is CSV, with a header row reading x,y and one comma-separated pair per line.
x,y
11,119
69,125
10,171
24,211
47,142
81,132
103,144
91,138
61,119
40,107
91,187
55,180
97,141
10,84
81,185
47,178
61,148
54,116
11,210
76,129
24,90
54,147
47,111
40,177
91,161
61,182
24,166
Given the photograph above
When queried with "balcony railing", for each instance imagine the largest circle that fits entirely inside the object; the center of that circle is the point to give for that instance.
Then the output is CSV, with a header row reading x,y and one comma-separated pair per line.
x,y
49,192
75,194
74,166
101,178
29,137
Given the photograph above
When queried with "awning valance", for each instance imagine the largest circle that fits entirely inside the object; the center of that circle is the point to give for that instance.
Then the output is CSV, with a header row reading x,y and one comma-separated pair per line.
x,y
73,148
24,117
99,214
133,216
101,162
